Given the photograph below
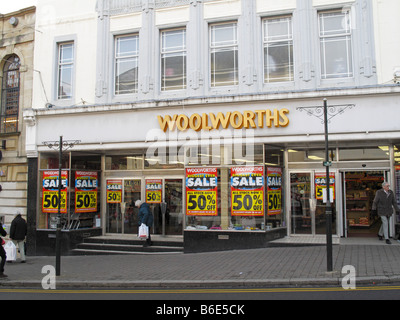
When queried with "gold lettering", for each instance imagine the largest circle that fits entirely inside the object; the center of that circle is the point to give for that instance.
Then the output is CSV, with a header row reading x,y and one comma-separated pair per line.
x,y
185,122
285,119
260,117
269,117
220,119
204,121
195,122
248,119
236,119
167,121
236,124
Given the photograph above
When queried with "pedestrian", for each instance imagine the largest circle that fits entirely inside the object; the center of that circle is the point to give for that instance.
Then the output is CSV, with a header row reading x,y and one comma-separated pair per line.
x,y
3,255
383,205
18,232
146,217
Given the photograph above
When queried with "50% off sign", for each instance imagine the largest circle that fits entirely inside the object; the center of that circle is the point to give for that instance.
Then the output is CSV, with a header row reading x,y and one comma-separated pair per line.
x,y
201,191
247,191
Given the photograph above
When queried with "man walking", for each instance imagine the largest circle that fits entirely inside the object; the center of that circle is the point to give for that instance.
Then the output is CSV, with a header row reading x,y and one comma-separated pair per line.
x,y
18,233
383,204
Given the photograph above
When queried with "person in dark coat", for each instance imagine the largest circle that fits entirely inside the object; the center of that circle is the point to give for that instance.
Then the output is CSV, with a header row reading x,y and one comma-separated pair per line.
x,y
18,232
383,205
146,217
3,255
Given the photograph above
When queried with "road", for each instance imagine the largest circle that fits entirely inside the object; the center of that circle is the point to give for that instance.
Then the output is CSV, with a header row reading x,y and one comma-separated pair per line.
x,y
244,295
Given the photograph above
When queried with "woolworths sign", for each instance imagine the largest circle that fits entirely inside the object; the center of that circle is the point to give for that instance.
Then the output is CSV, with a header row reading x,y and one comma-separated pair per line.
x,y
236,120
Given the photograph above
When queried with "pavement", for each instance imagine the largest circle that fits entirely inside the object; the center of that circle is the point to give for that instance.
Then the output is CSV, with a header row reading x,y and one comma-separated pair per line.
x,y
375,263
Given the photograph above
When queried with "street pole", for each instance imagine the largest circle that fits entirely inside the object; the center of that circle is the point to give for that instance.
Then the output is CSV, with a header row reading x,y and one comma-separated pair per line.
x,y
58,231
323,112
60,146
328,210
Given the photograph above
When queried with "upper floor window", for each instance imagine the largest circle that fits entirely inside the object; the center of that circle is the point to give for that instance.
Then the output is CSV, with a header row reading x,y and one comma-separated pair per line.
x,y
10,95
126,64
173,59
224,54
65,70
335,44
278,49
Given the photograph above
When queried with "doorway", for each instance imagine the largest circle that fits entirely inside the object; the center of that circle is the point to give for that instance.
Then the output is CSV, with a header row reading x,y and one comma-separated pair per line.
x,y
168,214
359,191
308,202
165,200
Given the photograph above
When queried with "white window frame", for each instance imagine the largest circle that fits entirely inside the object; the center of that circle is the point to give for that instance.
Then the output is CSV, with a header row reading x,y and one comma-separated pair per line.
x,y
216,47
132,56
345,34
179,51
64,64
270,41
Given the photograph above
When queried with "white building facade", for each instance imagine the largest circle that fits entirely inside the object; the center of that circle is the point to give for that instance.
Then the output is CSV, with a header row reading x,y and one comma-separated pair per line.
x,y
205,106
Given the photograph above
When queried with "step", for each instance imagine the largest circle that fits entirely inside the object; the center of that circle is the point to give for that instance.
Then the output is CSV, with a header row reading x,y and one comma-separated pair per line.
x,y
87,252
128,245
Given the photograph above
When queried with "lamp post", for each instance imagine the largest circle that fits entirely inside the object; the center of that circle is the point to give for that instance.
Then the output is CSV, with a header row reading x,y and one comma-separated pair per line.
x,y
67,144
326,113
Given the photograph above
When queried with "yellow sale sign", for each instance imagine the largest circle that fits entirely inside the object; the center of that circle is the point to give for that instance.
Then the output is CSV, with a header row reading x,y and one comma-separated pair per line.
x,y
50,200
247,191
201,192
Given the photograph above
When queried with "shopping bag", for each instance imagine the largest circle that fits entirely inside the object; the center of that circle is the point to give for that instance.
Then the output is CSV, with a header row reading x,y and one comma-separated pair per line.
x,y
11,251
143,232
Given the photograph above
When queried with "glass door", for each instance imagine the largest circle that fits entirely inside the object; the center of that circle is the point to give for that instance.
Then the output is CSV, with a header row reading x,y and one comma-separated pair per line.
x,y
121,211
308,202
168,208
300,193
174,217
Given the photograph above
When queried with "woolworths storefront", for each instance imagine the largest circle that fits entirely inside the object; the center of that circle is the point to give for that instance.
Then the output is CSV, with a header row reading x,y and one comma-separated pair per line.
x,y
222,175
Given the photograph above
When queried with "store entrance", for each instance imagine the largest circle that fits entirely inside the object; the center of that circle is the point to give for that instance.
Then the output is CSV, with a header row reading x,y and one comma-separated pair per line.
x,y
164,195
308,202
359,192
168,214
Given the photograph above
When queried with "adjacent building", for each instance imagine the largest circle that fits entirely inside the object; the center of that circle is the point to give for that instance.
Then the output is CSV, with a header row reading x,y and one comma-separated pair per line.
x,y
211,111
16,78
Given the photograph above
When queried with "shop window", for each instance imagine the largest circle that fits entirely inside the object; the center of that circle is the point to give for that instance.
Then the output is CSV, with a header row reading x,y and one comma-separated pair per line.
x,y
126,64
240,200
123,162
163,158
173,59
311,155
237,154
278,49
80,192
360,154
224,54
274,156
50,161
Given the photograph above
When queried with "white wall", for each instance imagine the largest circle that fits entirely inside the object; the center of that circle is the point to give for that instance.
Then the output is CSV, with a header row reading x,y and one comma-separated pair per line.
x,y
387,40
67,19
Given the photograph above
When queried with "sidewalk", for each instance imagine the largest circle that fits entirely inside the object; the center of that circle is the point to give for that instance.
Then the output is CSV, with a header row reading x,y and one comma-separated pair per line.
x,y
284,266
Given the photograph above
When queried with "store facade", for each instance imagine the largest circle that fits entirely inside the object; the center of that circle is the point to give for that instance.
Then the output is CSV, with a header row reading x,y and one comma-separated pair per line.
x,y
256,176
200,109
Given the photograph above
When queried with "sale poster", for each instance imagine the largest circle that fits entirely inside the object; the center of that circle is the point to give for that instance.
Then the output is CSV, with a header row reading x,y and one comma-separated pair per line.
x,y
201,191
320,186
50,191
85,191
154,190
274,190
114,191
247,191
